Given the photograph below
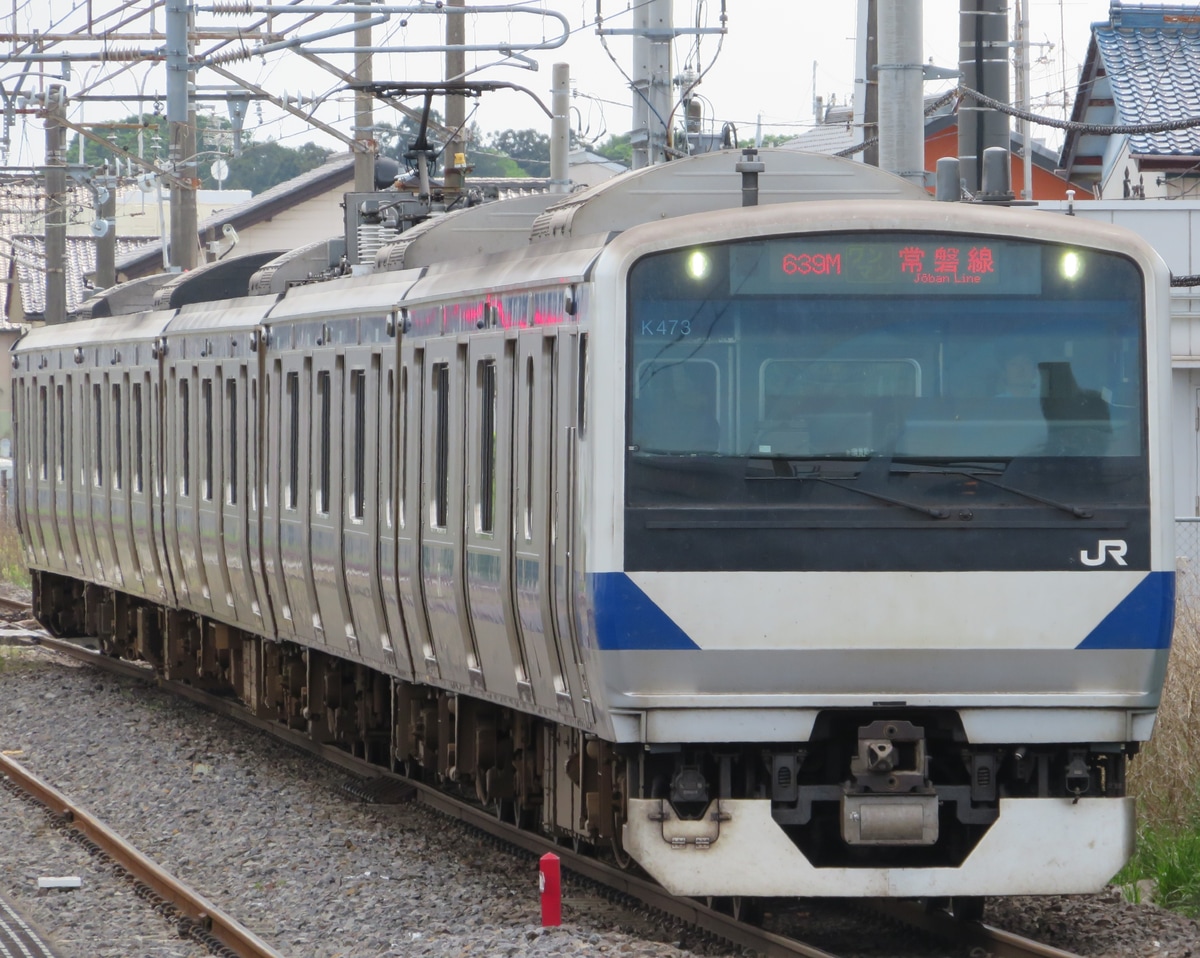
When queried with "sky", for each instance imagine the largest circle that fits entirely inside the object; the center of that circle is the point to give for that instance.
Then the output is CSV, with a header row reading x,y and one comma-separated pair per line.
x,y
776,56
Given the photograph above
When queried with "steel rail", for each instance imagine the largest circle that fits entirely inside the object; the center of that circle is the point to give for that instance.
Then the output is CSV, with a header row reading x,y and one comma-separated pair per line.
x,y
188,902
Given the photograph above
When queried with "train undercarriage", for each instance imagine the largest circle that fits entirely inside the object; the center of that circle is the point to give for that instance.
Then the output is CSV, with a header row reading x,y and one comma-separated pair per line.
x,y
872,790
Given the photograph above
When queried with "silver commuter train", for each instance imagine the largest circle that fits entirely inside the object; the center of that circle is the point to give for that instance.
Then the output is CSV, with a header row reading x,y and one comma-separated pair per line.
x,y
821,546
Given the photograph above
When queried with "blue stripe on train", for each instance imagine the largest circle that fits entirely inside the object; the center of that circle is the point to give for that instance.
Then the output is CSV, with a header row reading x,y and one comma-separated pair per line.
x,y
1142,620
627,618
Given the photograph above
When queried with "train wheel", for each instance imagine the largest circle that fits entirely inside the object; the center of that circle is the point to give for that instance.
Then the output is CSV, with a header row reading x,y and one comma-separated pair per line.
x,y
967,907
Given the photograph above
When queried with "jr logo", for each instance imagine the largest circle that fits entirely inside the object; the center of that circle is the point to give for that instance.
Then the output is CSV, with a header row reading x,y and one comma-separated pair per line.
x,y
1105,548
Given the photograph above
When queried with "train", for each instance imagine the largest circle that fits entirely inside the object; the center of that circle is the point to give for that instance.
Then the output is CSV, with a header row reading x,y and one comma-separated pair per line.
x,y
757,520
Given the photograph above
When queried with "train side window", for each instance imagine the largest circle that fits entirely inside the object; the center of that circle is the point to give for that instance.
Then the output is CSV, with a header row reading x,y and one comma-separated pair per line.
x,y
293,393
487,446
185,458
358,399
139,450
43,400
326,400
98,438
206,399
118,459
231,484
441,480
59,393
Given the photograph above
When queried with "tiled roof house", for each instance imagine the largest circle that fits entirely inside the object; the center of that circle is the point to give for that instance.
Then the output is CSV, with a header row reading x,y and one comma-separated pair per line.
x,y
1142,67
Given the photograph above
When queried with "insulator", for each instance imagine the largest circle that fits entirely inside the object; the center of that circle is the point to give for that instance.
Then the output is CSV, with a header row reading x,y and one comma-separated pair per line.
x,y
231,56
232,8
119,55
371,238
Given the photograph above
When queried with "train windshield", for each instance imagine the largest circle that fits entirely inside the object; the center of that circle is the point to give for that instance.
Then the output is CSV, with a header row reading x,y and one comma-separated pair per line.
x,y
869,363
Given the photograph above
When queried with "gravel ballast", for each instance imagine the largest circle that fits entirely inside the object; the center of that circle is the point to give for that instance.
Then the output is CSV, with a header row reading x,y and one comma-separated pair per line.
x,y
269,836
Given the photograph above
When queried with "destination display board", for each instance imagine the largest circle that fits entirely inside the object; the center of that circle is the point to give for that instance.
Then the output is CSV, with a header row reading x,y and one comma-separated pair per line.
x,y
918,264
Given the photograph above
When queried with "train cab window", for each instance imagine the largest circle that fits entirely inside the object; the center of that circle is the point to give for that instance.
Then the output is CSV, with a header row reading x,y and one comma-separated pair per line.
x,y
98,436
441,480
43,399
185,457
206,399
231,482
138,440
487,446
293,395
62,433
358,399
326,401
118,459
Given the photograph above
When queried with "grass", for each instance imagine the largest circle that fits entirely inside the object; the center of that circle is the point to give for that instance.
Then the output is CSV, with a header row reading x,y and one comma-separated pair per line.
x,y
12,557
1165,777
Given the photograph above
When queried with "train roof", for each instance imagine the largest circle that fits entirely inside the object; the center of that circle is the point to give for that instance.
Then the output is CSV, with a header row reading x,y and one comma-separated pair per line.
x,y
375,293
709,182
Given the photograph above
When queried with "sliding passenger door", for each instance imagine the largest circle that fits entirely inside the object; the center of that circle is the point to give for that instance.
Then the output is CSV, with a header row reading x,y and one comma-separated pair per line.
x,y
534,514
441,515
489,558
297,453
411,497
365,444
182,480
64,516
281,429
235,418
145,536
327,506
389,465
569,358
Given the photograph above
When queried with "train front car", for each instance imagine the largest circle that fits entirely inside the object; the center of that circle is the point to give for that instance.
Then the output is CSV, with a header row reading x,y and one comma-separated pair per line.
x,y
882,561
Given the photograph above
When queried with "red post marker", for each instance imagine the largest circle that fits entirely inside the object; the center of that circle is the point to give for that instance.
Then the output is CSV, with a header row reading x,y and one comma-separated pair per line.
x,y
550,886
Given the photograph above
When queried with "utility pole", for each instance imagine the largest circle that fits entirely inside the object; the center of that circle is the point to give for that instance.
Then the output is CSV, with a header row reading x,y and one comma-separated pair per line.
x,y
364,116
653,33
106,242
1021,11
56,209
983,62
456,104
181,131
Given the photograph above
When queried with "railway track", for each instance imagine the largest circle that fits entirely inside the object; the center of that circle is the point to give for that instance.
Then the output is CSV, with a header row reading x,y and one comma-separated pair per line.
x,y
965,937
195,917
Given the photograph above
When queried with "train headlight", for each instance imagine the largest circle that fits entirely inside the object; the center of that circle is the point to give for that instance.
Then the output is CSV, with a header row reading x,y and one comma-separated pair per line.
x,y
698,264
1071,266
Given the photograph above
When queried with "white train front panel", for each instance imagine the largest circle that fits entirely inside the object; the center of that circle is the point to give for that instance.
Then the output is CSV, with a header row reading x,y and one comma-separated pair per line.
x,y
884,500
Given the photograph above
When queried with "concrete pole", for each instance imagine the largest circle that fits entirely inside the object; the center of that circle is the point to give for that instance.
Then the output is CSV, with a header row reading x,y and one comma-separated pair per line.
x,y
456,105
56,209
983,62
1021,9
106,245
560,129
901,90
364,109
654,26
181,131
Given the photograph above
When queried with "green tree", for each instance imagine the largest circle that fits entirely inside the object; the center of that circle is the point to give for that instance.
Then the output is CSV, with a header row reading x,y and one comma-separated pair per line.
x,y
617,148
263,165
529,148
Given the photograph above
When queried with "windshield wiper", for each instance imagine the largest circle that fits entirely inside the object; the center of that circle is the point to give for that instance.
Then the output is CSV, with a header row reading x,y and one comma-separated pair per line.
x,y
784,467
980,473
